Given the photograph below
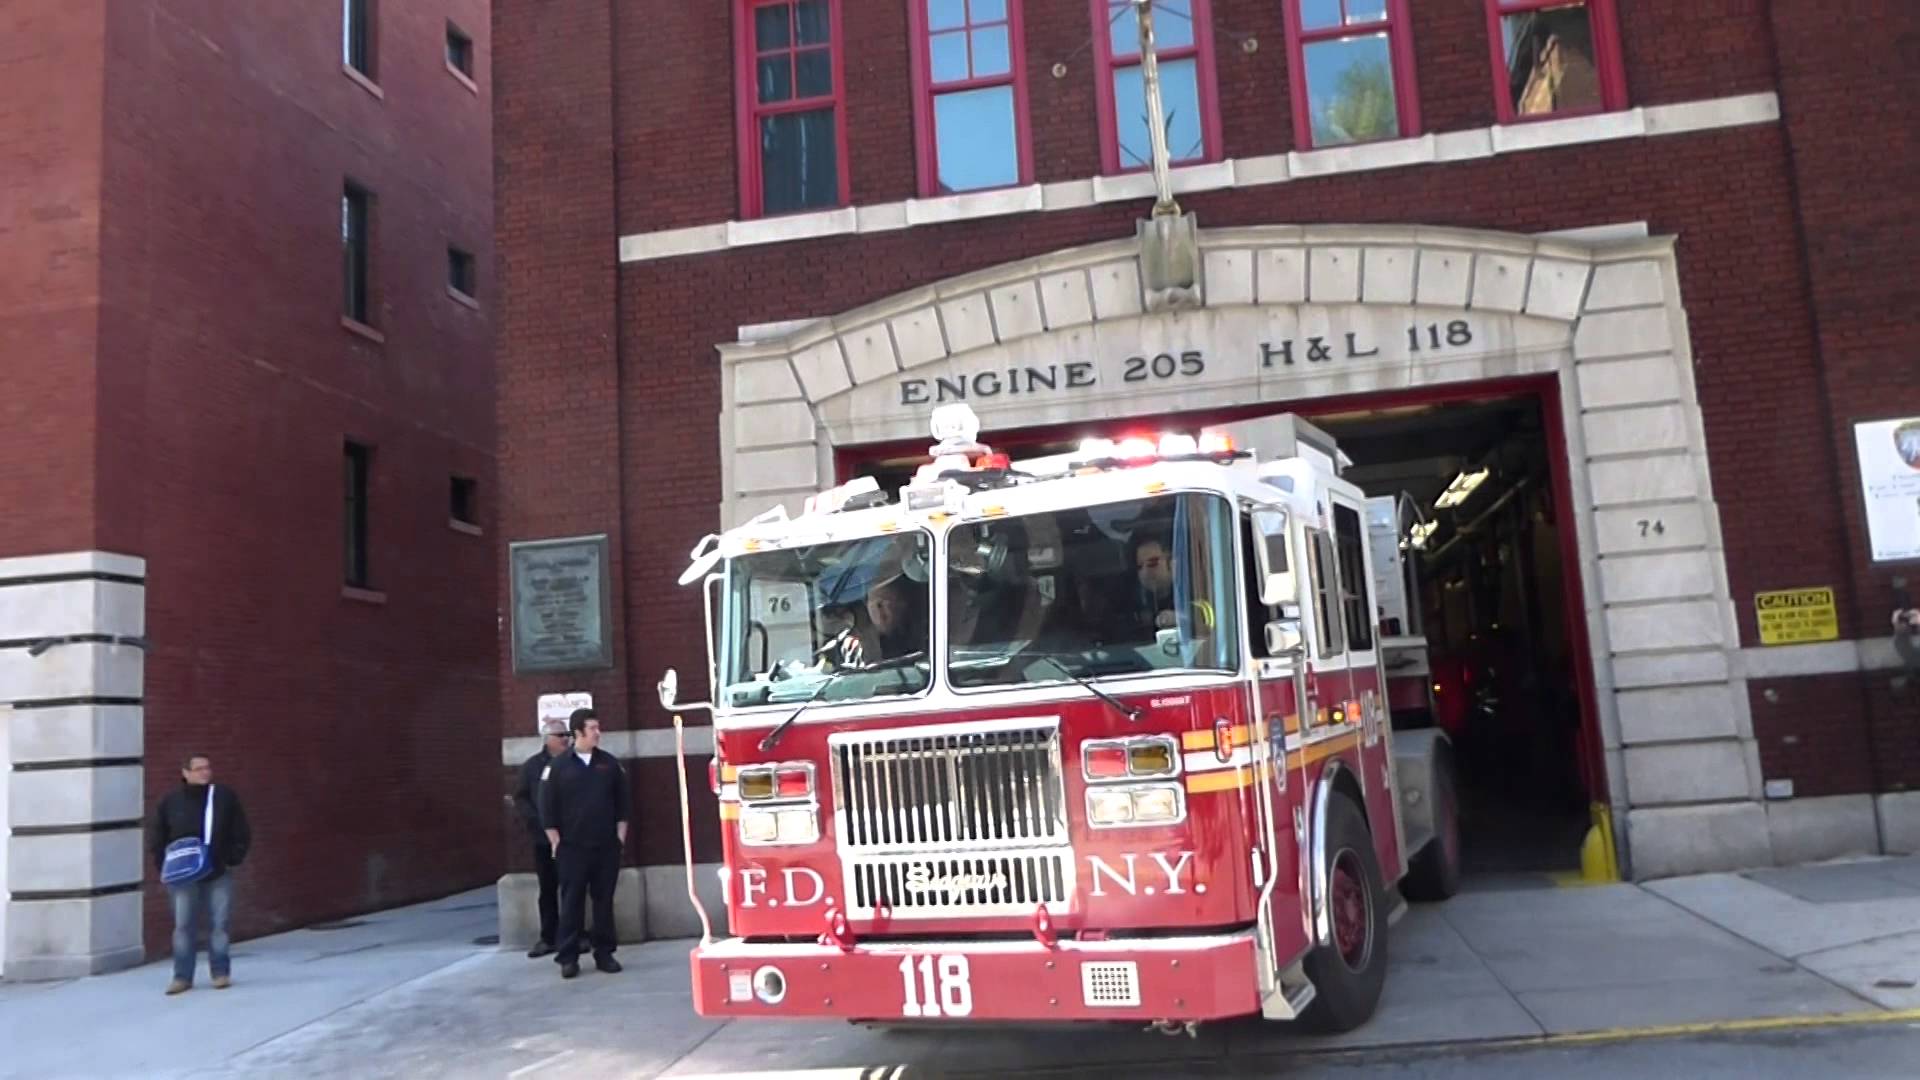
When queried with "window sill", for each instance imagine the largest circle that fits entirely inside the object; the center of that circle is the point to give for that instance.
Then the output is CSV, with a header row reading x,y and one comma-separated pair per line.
x,y
463,298
467,527
465,79
365,83
362,596
355,326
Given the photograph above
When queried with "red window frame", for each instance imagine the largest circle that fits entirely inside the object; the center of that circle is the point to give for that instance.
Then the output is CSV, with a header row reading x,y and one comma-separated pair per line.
x,y
925,90
1398,26
1606,57
1105,63
748,110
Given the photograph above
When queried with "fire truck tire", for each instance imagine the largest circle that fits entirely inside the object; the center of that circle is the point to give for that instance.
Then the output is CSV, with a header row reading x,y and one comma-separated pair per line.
x,y
1434,873
1348,972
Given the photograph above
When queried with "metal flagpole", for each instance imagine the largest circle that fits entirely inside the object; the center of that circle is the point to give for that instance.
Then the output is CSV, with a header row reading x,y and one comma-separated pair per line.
x,y
1169,239
1156,115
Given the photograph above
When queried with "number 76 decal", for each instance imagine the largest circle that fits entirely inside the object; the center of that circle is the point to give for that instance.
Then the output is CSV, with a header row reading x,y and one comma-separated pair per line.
x,y
948,994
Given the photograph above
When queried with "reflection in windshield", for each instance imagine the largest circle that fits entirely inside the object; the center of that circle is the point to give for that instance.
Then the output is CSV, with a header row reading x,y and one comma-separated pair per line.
x,y
1119,589
851,614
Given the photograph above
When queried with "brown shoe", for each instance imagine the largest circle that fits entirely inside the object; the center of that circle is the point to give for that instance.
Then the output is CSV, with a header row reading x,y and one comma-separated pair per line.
x,y
178,986
221,982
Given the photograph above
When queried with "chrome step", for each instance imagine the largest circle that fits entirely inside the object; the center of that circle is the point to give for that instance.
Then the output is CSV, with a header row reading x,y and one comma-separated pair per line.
x,y
1289,997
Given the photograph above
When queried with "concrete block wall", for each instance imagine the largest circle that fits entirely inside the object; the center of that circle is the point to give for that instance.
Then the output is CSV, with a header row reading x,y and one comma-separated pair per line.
x,y
71,746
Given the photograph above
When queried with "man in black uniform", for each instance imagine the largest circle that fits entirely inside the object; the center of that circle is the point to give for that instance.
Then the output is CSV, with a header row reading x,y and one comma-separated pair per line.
x,y
583,805
527,801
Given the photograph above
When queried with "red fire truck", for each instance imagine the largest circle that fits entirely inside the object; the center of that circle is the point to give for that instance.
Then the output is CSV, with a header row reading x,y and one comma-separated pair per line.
x,y
1099,736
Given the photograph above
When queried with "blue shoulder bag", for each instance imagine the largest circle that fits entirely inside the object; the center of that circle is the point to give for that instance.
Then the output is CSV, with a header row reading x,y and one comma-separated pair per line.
x,y
190,858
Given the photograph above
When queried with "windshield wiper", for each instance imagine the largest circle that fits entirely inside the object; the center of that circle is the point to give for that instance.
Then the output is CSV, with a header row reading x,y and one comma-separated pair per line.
x,y
773,737
1131,712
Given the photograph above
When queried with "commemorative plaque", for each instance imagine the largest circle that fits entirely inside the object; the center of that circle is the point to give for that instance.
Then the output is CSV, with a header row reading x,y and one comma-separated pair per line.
x,y
560,604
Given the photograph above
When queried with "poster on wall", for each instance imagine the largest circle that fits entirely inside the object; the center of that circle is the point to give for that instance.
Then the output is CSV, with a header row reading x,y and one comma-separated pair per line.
x,y
1889,452
560,604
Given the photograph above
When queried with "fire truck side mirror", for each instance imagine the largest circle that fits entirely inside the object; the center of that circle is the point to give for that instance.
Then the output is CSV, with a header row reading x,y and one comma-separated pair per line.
x,y
669,689
1277,583
1283,637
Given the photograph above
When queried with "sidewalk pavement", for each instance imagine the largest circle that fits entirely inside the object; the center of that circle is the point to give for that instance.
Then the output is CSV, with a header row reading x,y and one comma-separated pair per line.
x,y
410,993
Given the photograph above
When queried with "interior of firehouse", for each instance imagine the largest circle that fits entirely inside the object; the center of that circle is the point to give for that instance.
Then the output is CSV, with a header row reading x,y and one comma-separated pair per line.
x,y
1477,633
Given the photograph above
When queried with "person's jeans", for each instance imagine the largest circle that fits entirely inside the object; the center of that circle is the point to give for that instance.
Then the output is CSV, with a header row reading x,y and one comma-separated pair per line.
x,y
215,898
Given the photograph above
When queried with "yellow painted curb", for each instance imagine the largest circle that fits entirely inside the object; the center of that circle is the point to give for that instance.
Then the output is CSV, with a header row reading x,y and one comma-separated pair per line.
x,y
1717,1027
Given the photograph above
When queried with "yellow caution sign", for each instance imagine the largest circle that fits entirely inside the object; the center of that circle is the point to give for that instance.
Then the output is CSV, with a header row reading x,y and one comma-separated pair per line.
x,y
1797,616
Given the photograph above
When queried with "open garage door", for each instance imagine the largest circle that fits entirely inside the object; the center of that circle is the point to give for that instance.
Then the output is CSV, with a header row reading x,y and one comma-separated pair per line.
x,y
1491,599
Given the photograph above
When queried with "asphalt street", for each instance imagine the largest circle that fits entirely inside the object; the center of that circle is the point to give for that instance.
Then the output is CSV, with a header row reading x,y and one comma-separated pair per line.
x,y
1801,972
1865,1051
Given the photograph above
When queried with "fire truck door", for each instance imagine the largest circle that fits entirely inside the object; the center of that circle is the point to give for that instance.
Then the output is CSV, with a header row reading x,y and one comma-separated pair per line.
x,y
1278,804
1361,700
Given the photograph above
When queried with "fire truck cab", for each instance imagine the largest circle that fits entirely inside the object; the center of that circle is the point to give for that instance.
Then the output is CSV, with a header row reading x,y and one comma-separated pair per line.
x,y
1100,736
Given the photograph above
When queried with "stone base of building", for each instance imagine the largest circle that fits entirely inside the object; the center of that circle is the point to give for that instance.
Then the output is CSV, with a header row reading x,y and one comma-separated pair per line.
x,y
649,904
1899,815
1721,837
69,938
519,896
670,914
71,745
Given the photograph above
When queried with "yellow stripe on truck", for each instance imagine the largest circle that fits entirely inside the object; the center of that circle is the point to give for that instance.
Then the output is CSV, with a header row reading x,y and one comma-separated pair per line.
x,y
1235,779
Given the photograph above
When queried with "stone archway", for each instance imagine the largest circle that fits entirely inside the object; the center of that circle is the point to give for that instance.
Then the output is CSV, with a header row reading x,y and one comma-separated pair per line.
x,y
1291,314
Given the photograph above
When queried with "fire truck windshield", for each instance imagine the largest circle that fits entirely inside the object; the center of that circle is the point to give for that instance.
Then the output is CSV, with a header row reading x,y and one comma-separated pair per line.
x,y
796,619
1118,589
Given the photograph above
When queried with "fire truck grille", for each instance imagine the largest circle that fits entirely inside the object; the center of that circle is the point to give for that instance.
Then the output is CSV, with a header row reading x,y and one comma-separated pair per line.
x,y
910,886
949,789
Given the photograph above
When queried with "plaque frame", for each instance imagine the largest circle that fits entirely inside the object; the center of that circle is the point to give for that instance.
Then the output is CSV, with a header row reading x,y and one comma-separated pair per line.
x,y
603,657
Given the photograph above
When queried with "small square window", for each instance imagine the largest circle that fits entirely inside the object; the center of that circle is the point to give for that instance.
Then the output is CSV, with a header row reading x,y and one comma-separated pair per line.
x,y
1555,58
790,128
459,51
465,505
355,207
359,464
461,272
356,36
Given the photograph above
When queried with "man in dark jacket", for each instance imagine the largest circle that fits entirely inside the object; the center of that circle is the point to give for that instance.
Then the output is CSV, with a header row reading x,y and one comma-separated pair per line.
x,y
182,814
527,801
583,806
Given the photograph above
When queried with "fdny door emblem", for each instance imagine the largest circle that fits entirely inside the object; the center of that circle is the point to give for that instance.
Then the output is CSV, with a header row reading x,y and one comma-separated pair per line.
x,y
1163,875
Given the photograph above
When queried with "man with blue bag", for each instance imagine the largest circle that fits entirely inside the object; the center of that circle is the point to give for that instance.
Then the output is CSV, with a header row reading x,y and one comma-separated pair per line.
x,y
196,835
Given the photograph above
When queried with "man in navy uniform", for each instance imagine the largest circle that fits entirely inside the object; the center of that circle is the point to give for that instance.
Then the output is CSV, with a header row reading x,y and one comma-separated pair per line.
x,y
527,801
583,807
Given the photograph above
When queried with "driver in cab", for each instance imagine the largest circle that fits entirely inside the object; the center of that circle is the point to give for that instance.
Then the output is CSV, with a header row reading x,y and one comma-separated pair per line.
x,y
1154,565
895,624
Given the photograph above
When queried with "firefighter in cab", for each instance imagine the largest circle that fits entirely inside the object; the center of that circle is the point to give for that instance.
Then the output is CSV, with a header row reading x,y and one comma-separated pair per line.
x,y
583,807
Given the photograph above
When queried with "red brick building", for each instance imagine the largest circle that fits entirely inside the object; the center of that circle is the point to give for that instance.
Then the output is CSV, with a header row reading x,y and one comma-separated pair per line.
x,y
1665,252
277,477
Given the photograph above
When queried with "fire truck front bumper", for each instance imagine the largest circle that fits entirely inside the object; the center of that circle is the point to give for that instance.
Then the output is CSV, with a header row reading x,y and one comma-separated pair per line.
x,y
1205,977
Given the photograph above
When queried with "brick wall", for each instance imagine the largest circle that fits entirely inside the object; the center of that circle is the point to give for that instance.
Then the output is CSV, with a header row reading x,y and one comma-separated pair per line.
x,y
1738,201
562,443
51,57
360,735
1850,119
677,161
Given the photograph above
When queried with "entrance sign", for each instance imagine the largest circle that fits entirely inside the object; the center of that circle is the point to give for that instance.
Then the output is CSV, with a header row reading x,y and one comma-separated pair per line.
x,y
1889,453
558,707
561,604
1797,616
